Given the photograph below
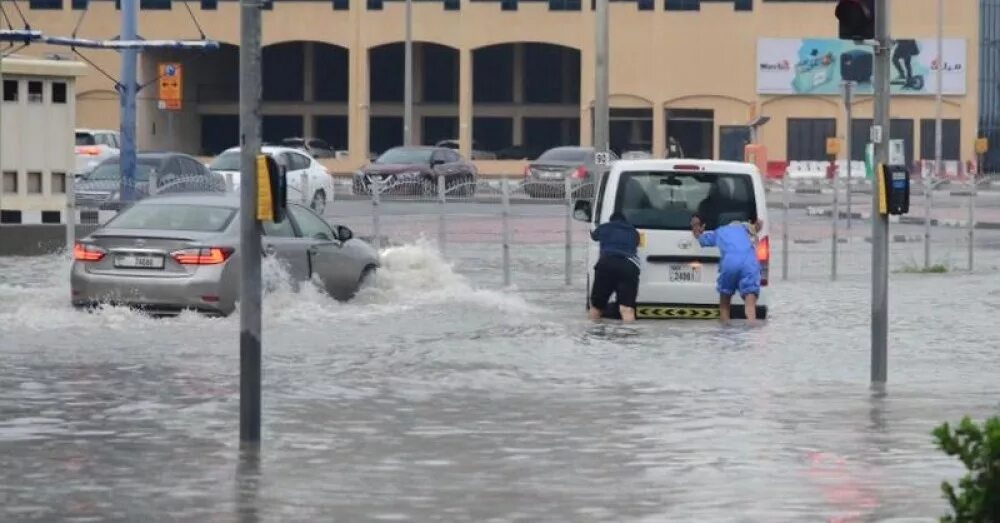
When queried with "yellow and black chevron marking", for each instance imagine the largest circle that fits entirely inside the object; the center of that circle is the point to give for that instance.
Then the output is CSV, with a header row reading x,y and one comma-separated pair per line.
x,y
679,313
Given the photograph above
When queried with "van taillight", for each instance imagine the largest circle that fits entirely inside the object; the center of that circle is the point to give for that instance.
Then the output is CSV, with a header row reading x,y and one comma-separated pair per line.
x,y
764,256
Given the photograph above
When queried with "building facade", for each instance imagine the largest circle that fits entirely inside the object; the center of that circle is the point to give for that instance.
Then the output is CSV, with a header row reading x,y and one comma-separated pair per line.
x,y
36,137
517,76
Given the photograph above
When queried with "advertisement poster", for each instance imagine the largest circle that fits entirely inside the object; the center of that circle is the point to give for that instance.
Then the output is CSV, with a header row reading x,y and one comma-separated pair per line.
x,y
817,66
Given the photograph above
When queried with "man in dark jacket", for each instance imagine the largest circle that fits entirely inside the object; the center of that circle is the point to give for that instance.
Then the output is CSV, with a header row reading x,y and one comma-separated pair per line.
x,y
617,270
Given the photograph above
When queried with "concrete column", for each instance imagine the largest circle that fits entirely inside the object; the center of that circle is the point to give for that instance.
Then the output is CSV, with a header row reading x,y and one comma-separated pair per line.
x,y
308,121
518,127
465,102
518,76
586,125
659,131
418,81
587,87
308,73
357,99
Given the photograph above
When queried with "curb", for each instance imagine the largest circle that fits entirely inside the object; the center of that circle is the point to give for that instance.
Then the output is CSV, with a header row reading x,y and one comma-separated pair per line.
x,y
857,240
906,220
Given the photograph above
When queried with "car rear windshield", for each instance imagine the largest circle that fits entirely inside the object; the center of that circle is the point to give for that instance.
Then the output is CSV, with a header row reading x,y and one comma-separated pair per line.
x,y
174,217
227,161
406,156
564,155
293,142
667,200
85,139
112,170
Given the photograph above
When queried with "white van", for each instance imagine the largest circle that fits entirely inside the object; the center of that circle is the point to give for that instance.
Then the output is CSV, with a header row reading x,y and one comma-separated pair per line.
x,y
659,197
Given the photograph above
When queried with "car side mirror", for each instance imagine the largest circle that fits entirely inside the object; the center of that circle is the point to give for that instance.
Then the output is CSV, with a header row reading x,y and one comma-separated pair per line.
x,y
344,234
583,211
435,163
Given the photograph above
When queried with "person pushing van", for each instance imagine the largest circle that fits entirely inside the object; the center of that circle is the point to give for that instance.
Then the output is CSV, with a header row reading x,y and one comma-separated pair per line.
x,y
617,269
739,268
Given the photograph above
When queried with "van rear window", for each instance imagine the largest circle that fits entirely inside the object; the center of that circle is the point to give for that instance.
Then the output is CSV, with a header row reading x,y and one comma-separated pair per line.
x,y
667,200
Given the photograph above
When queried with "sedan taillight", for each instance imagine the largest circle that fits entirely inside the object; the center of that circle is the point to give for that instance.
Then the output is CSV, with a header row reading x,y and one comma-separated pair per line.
x,y
88,253
202,256
580,173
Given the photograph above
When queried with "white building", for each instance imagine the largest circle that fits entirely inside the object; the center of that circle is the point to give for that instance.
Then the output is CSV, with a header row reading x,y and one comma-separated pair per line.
x,y
36,137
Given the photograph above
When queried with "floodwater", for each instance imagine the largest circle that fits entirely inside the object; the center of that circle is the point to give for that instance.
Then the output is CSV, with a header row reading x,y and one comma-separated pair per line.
x,y
438,397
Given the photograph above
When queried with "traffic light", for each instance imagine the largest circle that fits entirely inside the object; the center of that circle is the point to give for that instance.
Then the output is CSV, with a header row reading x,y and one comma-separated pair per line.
x,y
857,19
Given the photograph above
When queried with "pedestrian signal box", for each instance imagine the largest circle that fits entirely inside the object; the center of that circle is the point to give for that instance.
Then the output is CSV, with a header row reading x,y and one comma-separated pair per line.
x,y
894,189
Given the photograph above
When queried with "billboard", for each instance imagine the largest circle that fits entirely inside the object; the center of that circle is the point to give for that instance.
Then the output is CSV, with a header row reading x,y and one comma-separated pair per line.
x,y
817,66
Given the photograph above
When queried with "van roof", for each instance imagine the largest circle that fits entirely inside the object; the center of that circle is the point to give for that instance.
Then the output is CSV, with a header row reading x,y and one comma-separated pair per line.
x,y
671,164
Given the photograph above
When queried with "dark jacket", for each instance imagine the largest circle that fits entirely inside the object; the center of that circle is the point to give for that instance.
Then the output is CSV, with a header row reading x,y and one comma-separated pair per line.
x,y
618,238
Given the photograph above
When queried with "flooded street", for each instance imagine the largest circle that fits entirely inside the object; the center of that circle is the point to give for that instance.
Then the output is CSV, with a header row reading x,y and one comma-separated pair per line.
x,y
437,396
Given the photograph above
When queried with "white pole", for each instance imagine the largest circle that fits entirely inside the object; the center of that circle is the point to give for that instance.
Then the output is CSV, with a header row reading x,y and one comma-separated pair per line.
x,y
408,77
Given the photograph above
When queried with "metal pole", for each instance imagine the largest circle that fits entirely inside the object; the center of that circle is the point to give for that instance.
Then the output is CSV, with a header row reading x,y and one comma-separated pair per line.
x,y
849,109
70,211
569,231
505,197
408,77
601,112
972,214
128,89
835,239
784,227
880,223
250,241
376,188
938,171
442,200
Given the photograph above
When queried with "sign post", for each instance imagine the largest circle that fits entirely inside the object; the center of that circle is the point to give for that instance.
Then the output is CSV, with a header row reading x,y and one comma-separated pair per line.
x,y
832,151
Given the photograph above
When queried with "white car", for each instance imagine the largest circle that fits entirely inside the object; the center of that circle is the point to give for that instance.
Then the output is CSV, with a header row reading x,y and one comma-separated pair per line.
x,y
93,146
318,184
659,197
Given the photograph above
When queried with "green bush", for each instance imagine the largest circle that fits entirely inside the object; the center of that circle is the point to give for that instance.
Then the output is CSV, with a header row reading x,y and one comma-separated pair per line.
x,y
977,499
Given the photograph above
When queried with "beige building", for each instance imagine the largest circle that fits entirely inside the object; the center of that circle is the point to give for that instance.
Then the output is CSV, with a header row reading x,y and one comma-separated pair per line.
x,y
36,137
518,77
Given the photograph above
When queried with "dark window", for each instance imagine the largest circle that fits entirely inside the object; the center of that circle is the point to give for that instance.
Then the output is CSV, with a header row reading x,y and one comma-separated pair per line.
x,y
11,90
807,138
285,66
58,92
209,5
333,129
374,5
507,5
34,182
951,139
899,129
667,200
58,183
45,4
493,74
646,5
53,217
341,5
85,139
452,5
683,5
35,92
743,5
330,68
277,127
494,133
154,5
440,86
79,4
10,182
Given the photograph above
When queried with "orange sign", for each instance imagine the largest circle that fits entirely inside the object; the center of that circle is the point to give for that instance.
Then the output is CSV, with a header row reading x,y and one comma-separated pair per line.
x,y
171,80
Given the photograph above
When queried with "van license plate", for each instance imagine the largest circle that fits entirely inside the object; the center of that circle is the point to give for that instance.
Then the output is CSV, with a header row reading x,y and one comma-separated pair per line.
x,y
138,261
685,274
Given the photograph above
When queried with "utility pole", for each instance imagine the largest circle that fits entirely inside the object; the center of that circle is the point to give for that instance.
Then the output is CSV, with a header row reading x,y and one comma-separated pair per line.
x,y
250,242
601,111
408,77
849,113
880,222
129,87
938,171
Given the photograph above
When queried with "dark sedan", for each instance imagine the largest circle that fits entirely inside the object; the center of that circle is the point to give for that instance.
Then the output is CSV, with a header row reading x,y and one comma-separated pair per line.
x,y
545,177
172,172
415,171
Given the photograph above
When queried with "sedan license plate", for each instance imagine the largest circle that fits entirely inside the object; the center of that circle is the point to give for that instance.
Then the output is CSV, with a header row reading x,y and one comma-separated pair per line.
x,y
550,175
685,274
138,261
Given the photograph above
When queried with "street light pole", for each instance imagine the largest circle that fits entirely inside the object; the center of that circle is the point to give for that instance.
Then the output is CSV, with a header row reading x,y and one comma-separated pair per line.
x,y
129,87
938,171
849,114
880,222
408,77
601,111
250,241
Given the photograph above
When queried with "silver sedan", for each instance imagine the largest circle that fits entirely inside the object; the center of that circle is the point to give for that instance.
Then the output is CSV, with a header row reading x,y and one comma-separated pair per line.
x,y
172,253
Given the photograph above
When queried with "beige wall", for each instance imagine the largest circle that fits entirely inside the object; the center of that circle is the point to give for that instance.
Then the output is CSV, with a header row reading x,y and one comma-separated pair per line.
x,y
704,60
37,137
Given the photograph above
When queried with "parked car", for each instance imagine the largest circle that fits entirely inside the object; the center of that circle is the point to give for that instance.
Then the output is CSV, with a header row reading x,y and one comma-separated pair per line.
x,y
415,170
545,177
93,146
172,253
174,173
296,163
478,153
314,146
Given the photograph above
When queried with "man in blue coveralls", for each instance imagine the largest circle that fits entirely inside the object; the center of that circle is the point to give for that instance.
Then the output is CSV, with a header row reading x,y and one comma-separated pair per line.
x,y
739,268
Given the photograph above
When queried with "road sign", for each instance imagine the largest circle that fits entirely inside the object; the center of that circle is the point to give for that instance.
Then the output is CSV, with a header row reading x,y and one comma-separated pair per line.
x,y
876,134
602,158
832,146
982,145
171,82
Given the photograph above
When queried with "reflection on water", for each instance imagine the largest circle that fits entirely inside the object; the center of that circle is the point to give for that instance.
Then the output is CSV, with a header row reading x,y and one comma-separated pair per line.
x,y
432,399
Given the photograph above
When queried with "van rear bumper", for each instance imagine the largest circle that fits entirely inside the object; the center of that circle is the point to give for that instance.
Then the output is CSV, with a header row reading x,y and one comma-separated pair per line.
x,y
682,311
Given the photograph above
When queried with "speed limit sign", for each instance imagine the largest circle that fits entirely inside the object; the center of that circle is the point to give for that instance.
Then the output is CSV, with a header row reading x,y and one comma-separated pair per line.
x,y
602,159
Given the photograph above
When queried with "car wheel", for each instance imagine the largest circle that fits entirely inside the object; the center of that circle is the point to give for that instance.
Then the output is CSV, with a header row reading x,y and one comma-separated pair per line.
x,y
366,280
319,201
